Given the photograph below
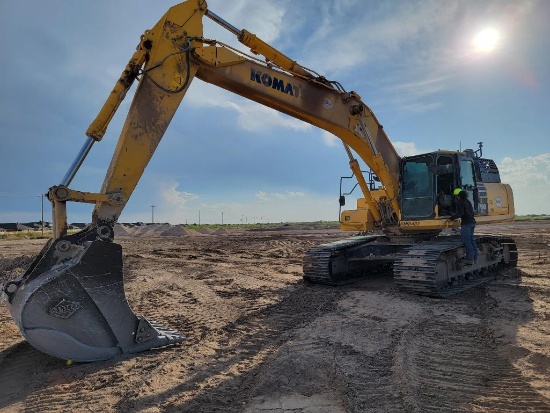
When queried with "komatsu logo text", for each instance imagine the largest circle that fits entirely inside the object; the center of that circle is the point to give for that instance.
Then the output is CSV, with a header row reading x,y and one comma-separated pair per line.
x,y
275,83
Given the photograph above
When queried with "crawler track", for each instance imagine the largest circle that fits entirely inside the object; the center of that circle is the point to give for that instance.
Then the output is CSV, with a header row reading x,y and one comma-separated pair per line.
x,y
435,268
348,260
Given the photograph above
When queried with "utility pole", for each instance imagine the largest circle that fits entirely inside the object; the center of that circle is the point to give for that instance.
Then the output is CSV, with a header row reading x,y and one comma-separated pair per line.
x,y
42,222
199,216
222,218
153,214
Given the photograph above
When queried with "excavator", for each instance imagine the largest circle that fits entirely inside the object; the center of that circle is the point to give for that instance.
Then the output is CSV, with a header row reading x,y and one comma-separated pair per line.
x,y
71,303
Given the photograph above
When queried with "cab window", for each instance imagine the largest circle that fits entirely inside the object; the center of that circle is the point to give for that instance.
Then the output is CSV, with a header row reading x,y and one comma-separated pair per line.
x,y
467,176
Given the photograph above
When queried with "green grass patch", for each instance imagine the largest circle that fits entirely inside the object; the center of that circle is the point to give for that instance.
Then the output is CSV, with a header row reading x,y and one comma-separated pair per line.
x,y
322,224
532,217
17,235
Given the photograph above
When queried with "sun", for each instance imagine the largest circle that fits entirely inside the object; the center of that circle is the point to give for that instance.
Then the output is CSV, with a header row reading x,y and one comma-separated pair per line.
x,y
486,40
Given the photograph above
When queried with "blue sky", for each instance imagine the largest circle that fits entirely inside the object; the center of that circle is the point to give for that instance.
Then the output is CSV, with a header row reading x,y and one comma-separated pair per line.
x,y
413,62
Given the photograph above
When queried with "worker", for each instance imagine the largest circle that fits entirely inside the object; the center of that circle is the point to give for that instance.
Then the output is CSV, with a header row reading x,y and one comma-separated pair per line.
x,y
465,212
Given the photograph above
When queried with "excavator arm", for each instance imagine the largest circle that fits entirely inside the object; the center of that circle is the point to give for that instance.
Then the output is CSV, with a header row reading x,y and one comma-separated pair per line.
x,y
71,303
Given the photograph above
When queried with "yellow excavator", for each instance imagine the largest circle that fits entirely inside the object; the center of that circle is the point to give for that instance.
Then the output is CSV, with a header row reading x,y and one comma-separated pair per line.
x,y
71,303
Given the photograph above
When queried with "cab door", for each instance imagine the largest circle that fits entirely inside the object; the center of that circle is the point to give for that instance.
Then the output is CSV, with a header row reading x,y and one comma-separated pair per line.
x,y
468,181
417,187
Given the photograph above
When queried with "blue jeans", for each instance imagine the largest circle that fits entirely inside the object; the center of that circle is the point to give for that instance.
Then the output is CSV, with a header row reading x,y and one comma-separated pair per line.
x,y
467,232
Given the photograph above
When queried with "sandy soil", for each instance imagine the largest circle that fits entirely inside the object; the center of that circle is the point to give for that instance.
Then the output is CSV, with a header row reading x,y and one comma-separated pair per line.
x,y
260,340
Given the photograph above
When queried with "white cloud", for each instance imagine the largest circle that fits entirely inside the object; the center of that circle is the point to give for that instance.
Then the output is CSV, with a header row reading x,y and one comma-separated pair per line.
x,y
172,199
379,37
417,95
263,18
251,116
182,208
255,118
330,140
291,206
530,180
406,148
220,206
263,196
413,52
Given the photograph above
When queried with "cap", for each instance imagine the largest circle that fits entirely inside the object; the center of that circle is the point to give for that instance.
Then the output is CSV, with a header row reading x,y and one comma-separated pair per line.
x,y
457,191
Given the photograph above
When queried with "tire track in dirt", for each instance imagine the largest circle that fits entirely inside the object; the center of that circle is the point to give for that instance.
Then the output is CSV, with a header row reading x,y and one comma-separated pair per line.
x,y
442,365
68,397
233,324
19,358
339,362
523,303
235,355
256,335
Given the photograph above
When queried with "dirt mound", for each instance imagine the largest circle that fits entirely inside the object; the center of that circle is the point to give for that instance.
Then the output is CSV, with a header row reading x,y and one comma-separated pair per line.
x,y
151,230
122,230
178,231
164,230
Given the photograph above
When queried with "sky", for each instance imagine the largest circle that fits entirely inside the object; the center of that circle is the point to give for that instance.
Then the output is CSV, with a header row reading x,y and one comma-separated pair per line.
x,y
224,158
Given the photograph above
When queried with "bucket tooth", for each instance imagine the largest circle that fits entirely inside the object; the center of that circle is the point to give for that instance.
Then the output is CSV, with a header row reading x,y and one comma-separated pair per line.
x,y
71,304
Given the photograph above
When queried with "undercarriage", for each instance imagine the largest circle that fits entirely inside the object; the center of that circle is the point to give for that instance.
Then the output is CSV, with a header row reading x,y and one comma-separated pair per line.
x,y
433,266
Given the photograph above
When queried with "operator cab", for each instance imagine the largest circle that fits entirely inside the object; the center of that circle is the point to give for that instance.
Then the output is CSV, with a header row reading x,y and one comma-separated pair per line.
x,y
428,181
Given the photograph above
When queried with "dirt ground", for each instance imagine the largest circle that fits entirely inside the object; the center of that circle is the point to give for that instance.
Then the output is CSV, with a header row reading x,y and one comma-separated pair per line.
x,y
260,340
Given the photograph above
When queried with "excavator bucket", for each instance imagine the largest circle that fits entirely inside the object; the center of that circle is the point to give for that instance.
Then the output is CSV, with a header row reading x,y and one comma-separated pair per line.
x,y
71,302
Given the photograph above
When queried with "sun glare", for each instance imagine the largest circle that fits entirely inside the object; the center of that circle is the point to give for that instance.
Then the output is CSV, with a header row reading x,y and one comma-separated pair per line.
x,y
486,40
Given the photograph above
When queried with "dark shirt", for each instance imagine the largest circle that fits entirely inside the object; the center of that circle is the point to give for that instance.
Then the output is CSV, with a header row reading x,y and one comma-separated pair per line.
x,y
464,211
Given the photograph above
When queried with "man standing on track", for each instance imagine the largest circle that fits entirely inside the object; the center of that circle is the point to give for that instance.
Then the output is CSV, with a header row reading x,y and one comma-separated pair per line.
x,y
465,212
